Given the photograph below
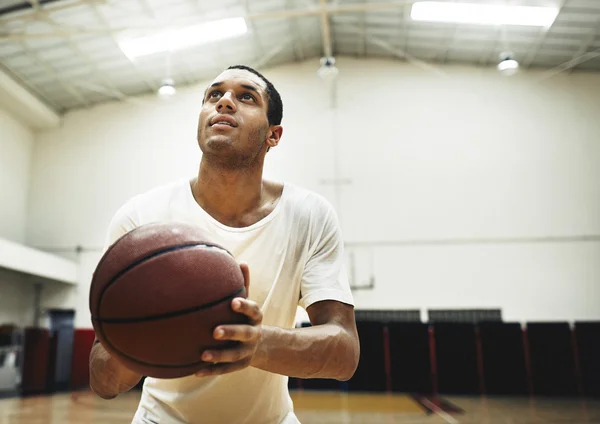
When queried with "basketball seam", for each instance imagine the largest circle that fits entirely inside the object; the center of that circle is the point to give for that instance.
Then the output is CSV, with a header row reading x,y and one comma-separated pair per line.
x,y
129,234
110,248
166,314
156,365
147,258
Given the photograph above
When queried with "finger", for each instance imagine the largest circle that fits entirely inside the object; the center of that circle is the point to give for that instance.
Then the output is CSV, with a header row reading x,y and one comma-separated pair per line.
x,y
219,369
248,308
228,355
246,274
238,332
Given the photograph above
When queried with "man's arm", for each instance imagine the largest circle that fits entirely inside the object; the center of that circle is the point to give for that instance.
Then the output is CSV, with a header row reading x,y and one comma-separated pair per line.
x,y
108,377
328,349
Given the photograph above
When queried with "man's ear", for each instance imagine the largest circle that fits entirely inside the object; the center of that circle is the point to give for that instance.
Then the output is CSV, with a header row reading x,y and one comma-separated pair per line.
x,y
274,135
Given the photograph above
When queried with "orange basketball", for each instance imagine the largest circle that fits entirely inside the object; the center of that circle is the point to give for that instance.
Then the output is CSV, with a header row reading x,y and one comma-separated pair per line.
x,y
158,293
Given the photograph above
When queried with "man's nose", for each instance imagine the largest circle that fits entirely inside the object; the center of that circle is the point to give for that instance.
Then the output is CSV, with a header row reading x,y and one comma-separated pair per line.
x,y
226,103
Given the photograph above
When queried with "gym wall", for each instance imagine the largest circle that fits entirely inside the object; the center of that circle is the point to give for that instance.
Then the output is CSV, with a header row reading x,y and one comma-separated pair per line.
x,y
16,148
458,207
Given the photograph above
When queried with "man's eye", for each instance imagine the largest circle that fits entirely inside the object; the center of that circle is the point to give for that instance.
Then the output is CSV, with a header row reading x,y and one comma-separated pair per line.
x,y
247,97
214,94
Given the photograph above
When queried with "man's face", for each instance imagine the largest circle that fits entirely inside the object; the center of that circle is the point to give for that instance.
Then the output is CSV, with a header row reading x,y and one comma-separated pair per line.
x,y
233,124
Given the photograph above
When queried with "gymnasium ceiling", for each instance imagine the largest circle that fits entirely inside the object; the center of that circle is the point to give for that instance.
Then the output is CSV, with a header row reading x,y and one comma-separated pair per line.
x,y
66,52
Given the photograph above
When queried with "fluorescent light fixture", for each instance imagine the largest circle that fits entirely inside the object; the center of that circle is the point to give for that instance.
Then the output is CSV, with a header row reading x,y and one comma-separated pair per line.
x,y
483,14
184,38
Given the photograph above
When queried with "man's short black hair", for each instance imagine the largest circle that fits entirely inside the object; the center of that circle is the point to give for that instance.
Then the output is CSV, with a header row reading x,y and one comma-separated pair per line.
x,y
275,105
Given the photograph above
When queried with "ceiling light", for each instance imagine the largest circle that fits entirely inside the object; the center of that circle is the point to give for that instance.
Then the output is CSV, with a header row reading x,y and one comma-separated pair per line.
x,y
184,37
328,70
508,65
483,14
167,89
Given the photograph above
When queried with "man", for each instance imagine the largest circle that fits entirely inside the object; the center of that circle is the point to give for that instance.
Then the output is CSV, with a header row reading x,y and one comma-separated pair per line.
x,y
290,250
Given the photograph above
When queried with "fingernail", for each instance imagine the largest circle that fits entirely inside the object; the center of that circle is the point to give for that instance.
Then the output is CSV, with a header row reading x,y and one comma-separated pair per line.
x,y
237,304
200,373
207,356
219,333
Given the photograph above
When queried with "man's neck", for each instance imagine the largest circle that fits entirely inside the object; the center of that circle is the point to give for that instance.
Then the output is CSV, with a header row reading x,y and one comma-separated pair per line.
x,y
230,196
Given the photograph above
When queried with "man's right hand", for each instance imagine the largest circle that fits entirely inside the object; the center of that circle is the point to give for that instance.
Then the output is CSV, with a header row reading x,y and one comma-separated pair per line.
x,y
109,377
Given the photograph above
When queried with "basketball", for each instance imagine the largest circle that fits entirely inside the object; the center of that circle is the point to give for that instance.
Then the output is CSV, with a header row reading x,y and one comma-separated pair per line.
x,y
157,294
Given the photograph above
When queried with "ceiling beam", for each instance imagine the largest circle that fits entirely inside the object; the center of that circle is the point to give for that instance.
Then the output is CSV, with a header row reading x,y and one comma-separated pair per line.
x,y
50,7
586,44
20,7
150,83
404,55
405,26
54,74
5,68
361,37
298,46
35,4
112,91
266,58
25,106
325,29
570,64
541,39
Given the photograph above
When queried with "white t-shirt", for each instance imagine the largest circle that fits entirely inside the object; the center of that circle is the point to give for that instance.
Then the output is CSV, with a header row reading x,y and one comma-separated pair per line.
x,y
295,257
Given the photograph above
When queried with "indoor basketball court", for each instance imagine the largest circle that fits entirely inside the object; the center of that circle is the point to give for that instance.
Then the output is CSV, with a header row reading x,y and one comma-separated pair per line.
x,y
317,408
311,211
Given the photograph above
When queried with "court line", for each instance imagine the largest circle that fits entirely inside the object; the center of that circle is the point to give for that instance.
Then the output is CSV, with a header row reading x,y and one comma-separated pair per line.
x,y
444,415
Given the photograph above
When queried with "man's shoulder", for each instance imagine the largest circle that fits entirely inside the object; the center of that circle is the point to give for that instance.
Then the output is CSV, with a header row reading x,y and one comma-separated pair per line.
x,y
162,193
149,206
307,202
154,199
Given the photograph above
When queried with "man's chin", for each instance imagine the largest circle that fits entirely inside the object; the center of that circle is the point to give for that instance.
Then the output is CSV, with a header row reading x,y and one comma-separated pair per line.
x,y
218,142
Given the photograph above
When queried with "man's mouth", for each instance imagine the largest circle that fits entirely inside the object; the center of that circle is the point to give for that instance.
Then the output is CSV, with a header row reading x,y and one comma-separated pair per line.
x,y
222,123
223,120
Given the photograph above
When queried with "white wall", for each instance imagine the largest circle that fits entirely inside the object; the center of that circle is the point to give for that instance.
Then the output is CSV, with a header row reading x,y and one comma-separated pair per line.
x,y
456,183
443,169
16,147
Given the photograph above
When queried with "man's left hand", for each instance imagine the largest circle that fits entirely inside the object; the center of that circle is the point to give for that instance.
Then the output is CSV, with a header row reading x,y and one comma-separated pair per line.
x,y
248,336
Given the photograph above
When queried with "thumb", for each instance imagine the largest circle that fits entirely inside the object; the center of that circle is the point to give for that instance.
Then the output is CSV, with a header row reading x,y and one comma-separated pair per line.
x,y
246,274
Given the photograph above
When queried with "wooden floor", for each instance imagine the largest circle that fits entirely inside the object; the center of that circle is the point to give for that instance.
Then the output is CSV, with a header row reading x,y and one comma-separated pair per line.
x,y
318,408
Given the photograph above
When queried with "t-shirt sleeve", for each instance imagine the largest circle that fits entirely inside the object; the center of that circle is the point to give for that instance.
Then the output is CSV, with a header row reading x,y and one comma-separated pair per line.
x,y
123,221
325,276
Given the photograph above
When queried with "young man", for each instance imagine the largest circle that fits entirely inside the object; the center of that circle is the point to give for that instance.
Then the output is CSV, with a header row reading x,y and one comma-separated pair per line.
x,y
290,250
